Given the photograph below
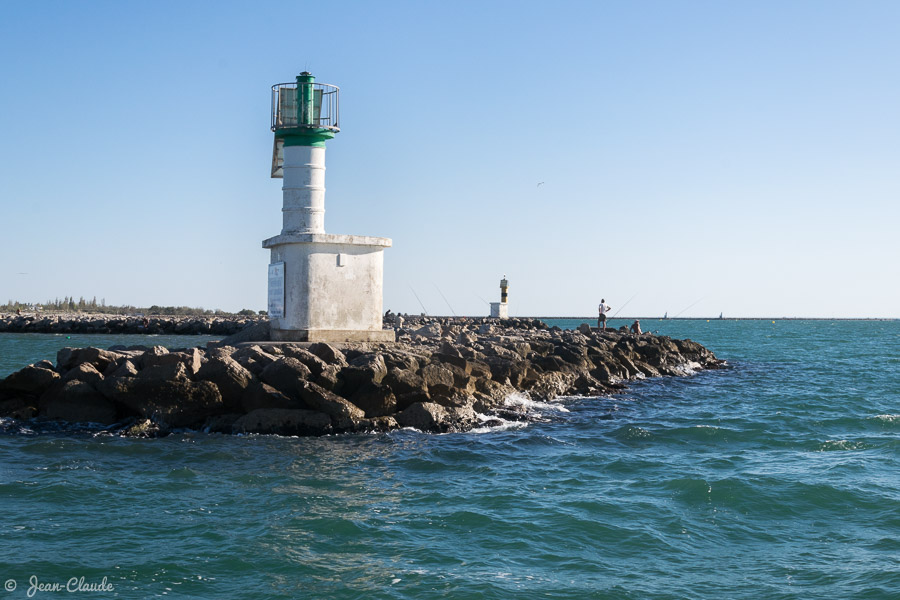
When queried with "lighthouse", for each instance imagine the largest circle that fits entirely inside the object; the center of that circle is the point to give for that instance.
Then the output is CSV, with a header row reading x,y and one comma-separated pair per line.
x,y
500,310
323,287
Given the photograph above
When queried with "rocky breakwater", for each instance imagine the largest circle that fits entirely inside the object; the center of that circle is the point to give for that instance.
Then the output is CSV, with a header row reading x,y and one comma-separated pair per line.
x,y
114,324
446,375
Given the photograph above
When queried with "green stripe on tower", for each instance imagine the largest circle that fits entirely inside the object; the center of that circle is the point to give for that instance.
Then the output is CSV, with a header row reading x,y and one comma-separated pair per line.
x,y
313,136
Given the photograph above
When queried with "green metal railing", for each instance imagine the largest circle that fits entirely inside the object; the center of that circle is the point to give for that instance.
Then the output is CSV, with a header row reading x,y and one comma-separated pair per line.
x,y
305,104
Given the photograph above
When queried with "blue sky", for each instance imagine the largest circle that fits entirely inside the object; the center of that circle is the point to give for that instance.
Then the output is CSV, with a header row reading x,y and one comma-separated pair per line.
x,y
740,157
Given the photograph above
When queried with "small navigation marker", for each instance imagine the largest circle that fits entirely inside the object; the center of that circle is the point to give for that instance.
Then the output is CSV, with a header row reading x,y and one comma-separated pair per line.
x,y
500,310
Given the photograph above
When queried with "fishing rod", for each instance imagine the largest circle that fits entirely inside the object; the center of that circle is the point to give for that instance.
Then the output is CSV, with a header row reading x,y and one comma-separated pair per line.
x,y
624,305
424,310
689,307
444,297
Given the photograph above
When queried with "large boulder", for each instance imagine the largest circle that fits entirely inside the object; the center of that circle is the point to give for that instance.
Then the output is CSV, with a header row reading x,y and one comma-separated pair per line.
x,y
215,351
406,400
285,374
438,379
318,398
647,369
176,403
429,416
493,392
328,353
280,421
626,363
262,395
602,372
191,359
507,371
375,400
454,360
175,371
123,368
397,358
315,364
462,381
329,378
77,402
462,418
404,381
84,372
495,348
230,377
550,385
253,358
434,330
573,356
147,358
586,385
368,369
31,381
424,416
68,358
480,369
522,348
20,409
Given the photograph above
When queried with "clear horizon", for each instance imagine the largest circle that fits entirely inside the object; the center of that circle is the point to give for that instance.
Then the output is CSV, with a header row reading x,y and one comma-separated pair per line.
x,y
692,156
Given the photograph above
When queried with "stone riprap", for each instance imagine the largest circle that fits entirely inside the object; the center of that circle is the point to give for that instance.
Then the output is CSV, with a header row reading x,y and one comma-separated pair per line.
x,y
114,324
442,375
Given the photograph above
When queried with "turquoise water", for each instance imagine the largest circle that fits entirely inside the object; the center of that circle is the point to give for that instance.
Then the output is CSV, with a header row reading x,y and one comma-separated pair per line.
x,y
776,478
20,349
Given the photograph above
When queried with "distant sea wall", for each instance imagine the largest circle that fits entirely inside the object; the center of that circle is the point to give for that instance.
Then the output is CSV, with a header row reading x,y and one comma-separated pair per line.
x,y
107,324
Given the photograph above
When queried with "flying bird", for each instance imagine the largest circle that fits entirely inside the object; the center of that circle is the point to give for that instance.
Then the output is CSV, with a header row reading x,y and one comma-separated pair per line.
x,y
540,184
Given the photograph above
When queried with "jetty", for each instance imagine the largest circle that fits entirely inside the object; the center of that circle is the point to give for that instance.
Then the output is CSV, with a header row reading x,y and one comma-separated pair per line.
x,y
441,375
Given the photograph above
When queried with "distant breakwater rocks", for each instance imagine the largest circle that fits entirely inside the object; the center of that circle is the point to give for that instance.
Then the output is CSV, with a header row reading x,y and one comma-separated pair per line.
x,y
441,376
116,324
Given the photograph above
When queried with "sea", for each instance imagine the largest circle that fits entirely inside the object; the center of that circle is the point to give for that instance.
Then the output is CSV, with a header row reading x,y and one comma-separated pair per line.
x,y
777,477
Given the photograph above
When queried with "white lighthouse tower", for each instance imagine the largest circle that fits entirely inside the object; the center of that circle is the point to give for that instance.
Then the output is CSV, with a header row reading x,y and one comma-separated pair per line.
x,y
322,286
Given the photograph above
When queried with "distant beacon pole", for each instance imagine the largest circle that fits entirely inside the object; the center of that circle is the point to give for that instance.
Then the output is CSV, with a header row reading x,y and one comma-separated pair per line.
x,y
500,310
322,287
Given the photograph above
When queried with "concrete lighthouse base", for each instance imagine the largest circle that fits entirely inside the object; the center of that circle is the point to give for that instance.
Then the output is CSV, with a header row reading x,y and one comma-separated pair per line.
x,y
499,310
327,288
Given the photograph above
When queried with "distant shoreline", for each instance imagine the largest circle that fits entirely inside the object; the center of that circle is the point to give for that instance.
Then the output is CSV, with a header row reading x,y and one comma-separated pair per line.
x,y
730,318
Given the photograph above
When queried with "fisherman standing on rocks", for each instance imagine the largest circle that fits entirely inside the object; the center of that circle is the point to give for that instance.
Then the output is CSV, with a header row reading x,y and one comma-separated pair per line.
x,y
601,320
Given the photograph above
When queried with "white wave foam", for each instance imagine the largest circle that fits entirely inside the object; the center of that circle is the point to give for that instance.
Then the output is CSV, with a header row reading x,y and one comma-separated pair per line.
x,y
841,445
491,423
886,418
523,401
688,368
